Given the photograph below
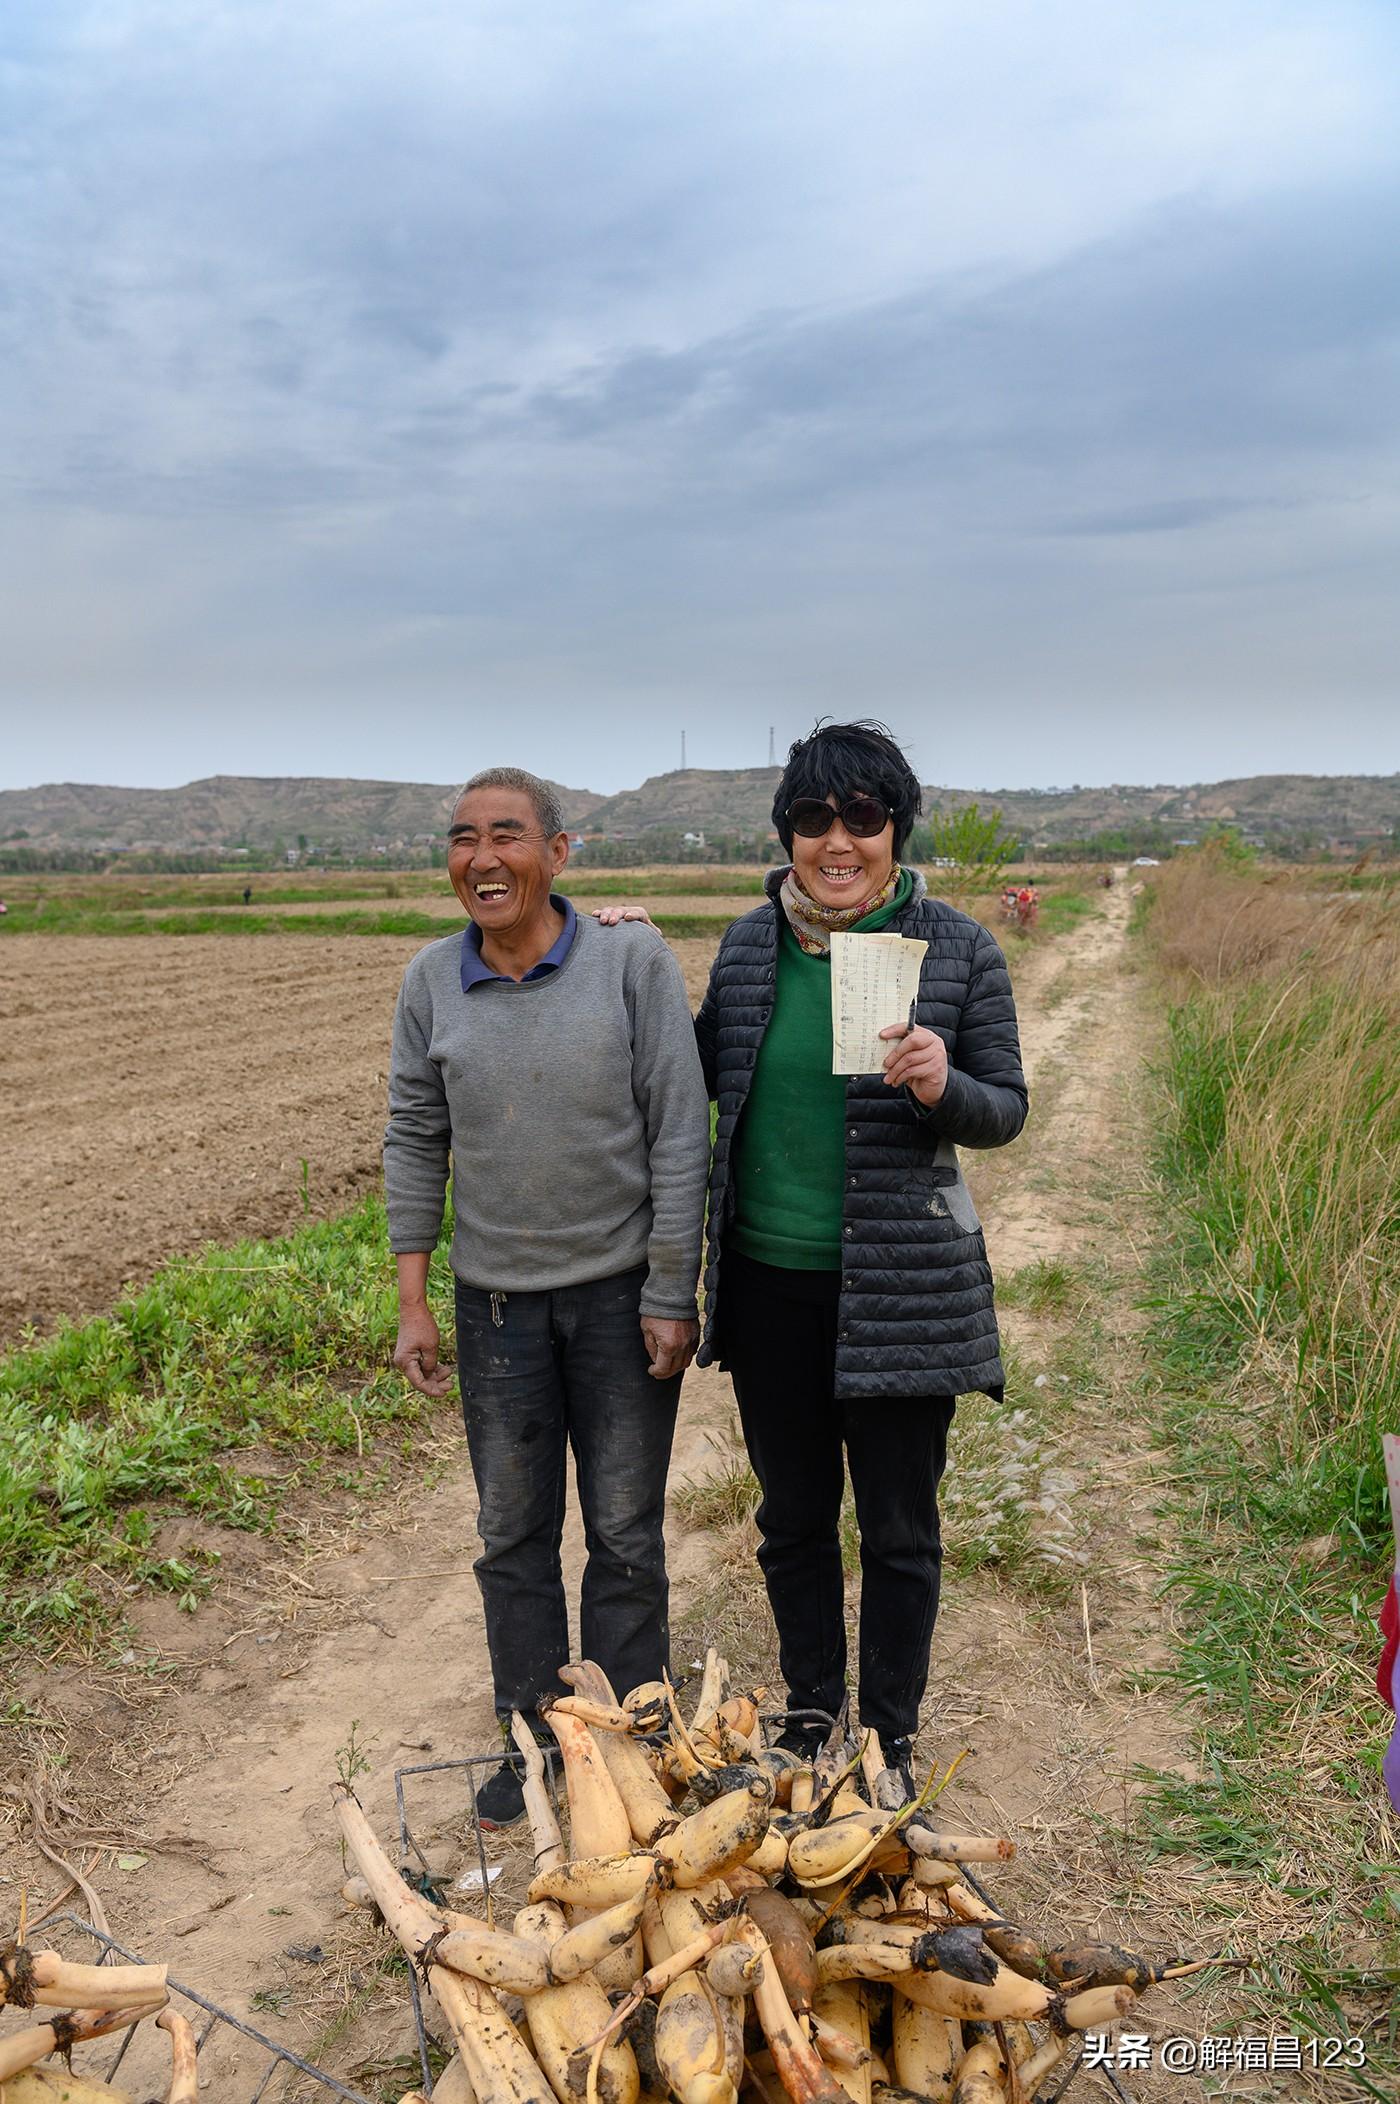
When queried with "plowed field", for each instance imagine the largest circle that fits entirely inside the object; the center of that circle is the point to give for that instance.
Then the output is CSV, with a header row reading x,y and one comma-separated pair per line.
x,y
159,1095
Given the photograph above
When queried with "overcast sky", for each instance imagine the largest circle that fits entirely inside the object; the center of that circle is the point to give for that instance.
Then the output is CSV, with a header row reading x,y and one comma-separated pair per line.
x,y
394,387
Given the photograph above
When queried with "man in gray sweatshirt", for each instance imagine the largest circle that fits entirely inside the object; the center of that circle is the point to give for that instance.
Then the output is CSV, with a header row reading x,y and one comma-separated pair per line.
x,y
551,1063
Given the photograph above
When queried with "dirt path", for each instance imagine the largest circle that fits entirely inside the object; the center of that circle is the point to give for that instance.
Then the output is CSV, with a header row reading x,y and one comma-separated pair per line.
x,y
1053,1694
212,1753
1043,1673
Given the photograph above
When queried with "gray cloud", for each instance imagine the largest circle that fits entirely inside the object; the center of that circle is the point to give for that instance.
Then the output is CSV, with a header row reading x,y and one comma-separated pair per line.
x,y
698,366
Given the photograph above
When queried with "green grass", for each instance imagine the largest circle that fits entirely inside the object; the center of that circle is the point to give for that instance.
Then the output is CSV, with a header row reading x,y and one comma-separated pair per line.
x,y
1065,982
680,927
1062,911
89,913
1048,1286
1385,881
1273,1370
271,2001
61,920
1007,1497
233,1377
724,881
57,918
118,894
726,1498
122,896
1142,910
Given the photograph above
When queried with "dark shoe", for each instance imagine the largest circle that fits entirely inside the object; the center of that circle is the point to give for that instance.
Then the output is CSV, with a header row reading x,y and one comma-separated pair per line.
x,y
804,1740
501,1800
898,1773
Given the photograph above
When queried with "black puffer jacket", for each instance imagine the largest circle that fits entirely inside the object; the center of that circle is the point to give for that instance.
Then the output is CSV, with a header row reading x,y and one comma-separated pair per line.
x,y
916,1315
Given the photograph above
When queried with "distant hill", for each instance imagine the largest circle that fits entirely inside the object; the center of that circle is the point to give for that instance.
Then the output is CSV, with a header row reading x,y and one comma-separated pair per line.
x,y
262,812
1337,808
239,810
692,799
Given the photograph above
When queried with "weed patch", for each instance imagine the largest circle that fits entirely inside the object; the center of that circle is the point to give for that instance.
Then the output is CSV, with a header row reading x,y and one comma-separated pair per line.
x,y
1064,983
1275,1354
1008,1499
232,1376
1061,911
725,1499
1049,1286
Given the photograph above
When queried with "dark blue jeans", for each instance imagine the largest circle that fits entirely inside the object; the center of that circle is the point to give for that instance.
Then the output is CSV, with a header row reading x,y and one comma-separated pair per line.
x,y
540,1373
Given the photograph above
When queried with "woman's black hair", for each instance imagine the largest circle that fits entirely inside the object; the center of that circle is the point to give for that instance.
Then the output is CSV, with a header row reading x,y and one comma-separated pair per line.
x,y
845,760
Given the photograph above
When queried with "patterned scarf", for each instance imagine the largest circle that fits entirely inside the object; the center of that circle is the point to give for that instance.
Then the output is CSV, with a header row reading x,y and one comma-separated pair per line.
x,y
813,925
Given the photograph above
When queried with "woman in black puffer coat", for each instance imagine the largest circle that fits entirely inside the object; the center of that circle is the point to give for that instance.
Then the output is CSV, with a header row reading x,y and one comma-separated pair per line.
x,y
847,1286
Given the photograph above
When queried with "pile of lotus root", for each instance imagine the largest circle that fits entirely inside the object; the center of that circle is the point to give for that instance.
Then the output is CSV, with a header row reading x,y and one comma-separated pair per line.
x,y
793,1935
78,2002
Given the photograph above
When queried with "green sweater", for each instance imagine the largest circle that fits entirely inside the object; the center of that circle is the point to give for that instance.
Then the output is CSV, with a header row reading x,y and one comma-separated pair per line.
x,y
790,1146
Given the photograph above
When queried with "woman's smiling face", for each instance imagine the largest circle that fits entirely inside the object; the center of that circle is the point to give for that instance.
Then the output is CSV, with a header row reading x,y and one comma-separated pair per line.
x,y
841,868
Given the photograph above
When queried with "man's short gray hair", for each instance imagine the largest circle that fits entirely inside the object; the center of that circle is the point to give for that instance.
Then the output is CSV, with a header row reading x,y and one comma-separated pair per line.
x,y
540,793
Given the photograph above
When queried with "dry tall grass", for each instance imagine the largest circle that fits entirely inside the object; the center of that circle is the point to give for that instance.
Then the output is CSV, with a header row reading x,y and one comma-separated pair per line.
x,y
1278,1351
1286,1124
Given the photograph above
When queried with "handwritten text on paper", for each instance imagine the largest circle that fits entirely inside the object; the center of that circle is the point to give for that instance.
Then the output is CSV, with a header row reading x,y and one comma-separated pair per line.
x,y
873,980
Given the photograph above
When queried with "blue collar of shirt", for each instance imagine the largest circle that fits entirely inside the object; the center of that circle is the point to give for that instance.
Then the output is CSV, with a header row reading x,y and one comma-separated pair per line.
x,y
475,970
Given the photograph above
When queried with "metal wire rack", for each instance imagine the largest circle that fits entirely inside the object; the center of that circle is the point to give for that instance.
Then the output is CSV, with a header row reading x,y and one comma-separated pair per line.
x,y
146,2051
504,1860
505,1865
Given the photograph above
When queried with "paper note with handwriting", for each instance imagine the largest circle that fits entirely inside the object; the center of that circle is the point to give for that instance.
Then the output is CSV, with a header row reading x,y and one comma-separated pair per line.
x,y
873,980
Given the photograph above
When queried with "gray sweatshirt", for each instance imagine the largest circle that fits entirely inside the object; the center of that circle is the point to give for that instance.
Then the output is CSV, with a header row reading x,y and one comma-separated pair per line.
x,y
573,1111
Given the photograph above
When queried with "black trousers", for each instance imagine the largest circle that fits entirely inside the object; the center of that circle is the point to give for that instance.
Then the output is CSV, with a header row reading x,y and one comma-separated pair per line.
x,y
778,1339
541,1373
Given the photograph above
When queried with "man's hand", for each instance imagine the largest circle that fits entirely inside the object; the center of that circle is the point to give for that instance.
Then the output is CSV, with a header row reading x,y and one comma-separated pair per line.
x,y
416,1352
670,1344
918,1061
611,915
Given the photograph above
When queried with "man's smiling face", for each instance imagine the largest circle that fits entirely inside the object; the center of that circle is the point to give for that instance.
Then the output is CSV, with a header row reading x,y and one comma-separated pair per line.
x,y
501,862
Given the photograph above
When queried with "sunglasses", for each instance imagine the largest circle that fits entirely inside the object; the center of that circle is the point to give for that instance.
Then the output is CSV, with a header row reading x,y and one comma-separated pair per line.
x,y
862,816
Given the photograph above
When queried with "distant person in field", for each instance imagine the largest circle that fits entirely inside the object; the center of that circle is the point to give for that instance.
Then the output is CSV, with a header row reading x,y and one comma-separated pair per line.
x,y
551,1065
247,894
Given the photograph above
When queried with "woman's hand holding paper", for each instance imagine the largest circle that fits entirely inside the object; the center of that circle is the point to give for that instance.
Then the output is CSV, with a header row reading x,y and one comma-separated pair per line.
x,y
917,1061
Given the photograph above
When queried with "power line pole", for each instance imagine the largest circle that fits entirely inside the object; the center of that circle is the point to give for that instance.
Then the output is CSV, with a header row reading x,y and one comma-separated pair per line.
x,y
772,756
682,752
